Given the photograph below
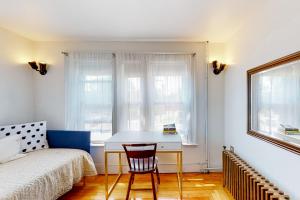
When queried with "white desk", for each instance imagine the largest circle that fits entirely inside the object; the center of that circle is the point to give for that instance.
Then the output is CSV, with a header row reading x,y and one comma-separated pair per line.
x,y
165,144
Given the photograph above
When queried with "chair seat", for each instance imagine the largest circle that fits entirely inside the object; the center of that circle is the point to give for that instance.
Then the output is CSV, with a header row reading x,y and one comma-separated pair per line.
x,y
139,167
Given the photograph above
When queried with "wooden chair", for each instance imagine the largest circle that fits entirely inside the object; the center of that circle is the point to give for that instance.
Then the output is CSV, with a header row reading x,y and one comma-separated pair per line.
x,y
142,160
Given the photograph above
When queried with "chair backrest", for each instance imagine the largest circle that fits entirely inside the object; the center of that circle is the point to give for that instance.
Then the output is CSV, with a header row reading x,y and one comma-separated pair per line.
x,y
140,157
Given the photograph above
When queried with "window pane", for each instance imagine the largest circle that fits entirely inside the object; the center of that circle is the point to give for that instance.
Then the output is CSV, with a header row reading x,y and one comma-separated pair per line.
x,y
97,106
168,88
134,96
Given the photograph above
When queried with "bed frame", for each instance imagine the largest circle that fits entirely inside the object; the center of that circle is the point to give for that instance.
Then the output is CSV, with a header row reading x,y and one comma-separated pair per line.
x,y
69,139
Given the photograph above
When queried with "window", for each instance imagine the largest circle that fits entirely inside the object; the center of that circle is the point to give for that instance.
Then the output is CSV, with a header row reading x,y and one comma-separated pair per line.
x,y
129,92
155,90
89,93
97,106
171,94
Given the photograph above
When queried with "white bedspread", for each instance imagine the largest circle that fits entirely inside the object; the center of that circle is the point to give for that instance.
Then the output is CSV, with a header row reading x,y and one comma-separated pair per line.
x,y
45,174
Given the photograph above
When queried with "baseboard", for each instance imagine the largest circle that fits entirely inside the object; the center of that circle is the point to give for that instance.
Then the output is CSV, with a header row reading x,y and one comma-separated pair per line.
x,y
163,168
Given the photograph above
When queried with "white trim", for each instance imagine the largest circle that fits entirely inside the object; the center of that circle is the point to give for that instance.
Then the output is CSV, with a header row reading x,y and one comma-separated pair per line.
x,y
102,145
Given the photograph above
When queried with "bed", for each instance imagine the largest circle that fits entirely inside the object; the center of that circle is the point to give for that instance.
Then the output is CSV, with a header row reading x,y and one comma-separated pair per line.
x,y
48,173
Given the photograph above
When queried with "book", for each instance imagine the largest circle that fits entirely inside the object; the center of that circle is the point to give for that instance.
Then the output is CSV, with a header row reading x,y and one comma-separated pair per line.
x,y
169,129
292,132
286,127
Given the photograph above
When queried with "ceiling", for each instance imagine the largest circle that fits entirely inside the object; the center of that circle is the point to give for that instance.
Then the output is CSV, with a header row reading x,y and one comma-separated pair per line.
x,y
125,20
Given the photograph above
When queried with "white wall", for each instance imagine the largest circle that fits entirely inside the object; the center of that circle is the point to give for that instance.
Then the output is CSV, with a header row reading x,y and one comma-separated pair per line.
x,y
271,32
16,82
49,95
26,96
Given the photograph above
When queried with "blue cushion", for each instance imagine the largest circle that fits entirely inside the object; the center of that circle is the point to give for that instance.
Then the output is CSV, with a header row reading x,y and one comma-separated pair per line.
x,y
69,139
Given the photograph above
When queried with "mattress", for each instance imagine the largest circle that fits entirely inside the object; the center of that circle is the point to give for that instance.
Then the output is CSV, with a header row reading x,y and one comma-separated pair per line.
x,y
45,174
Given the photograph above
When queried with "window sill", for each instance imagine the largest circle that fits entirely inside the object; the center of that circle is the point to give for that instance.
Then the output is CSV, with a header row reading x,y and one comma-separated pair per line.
x,y
189,145
102,145
97,144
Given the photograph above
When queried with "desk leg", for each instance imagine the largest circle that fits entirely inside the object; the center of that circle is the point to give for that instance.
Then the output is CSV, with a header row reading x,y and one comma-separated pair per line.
x,y
108,190
120,164
106,175
179,172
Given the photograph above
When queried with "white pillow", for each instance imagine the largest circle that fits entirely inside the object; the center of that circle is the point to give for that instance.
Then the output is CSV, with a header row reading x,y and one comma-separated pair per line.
x,y
9,147
33,135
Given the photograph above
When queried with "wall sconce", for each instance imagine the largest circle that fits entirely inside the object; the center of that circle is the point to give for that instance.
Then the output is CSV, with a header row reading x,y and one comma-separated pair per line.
x,y
218,69
42,68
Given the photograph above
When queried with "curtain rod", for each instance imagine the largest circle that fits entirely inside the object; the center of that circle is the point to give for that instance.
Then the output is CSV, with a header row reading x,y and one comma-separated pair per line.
x,y
154,53
166,53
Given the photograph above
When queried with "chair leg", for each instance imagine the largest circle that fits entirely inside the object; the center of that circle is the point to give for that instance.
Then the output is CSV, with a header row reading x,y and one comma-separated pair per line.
x,y
129,186
153,186
157,175
132,179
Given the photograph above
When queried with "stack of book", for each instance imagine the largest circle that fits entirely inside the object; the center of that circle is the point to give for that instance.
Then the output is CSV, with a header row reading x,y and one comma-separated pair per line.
x,y
289,130
169,129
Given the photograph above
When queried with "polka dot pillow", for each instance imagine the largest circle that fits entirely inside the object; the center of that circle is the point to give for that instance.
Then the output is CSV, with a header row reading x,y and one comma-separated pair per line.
x,y
33,135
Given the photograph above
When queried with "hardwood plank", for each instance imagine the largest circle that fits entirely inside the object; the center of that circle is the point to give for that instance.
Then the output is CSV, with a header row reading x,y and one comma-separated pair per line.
x,y
196,186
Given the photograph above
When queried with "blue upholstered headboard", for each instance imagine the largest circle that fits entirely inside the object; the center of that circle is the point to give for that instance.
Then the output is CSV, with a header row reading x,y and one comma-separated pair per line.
x,y
69,139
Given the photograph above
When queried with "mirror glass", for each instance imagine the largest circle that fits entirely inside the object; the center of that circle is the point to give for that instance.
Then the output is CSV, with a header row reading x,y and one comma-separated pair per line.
x,y
275,102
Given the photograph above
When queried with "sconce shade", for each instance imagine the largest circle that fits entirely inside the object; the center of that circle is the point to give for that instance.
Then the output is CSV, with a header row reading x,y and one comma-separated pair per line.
x,y
33,65
217,70
42,68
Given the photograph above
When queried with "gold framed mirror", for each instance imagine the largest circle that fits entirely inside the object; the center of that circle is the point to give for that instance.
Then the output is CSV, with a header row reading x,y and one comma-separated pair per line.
x,y
274,102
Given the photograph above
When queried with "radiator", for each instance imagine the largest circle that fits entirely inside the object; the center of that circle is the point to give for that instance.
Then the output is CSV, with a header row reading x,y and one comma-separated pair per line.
x,y
245,183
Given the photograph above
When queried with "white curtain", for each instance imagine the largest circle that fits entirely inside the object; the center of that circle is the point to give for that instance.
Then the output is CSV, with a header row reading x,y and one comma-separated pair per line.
x,y
136,92
276,98
153,90
131,97
89,93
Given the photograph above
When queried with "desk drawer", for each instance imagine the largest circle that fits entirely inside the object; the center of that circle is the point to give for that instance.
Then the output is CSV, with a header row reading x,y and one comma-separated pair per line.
x,y
169,146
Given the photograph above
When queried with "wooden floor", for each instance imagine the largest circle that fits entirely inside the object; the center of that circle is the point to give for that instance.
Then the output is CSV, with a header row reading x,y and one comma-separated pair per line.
x,y
195,186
